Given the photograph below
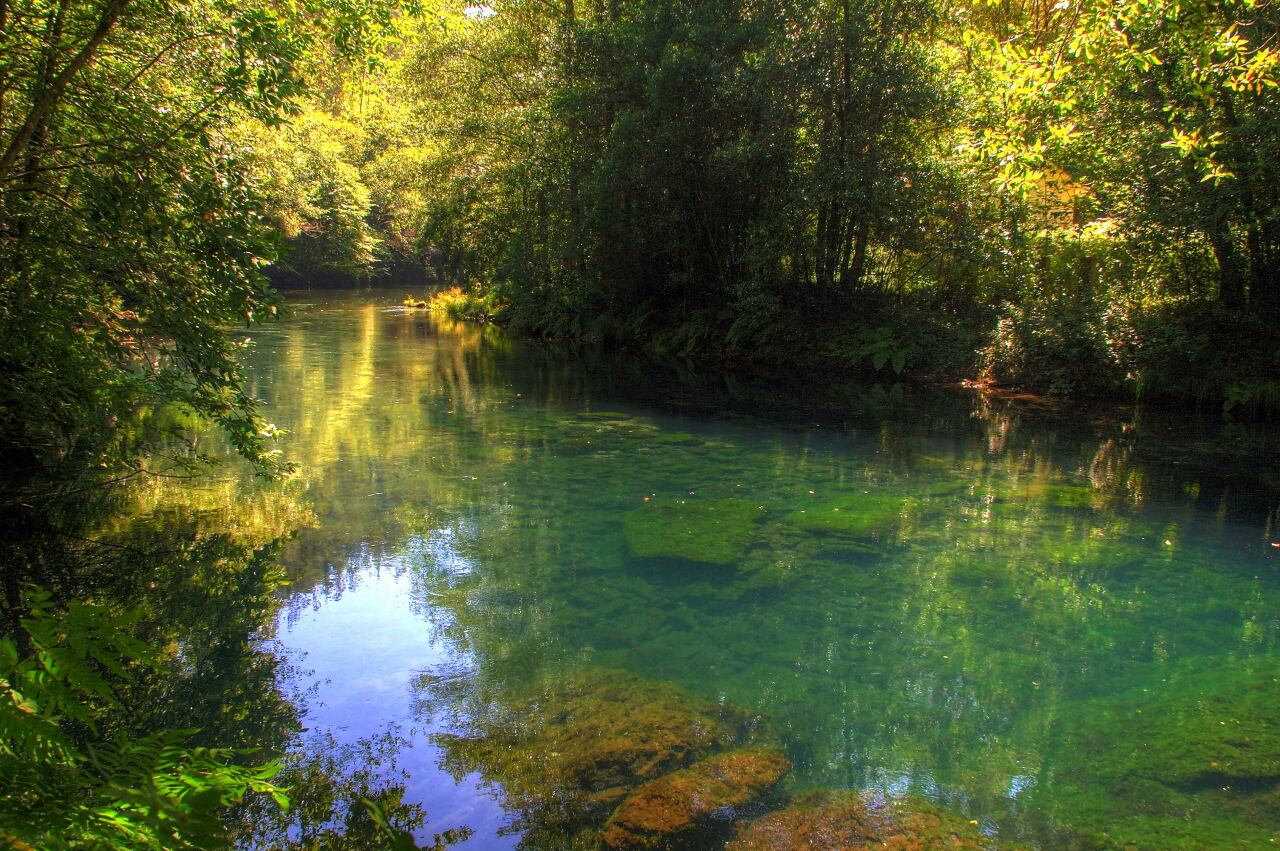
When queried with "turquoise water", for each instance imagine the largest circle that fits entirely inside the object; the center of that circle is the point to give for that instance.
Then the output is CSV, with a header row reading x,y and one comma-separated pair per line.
x,y
1060,626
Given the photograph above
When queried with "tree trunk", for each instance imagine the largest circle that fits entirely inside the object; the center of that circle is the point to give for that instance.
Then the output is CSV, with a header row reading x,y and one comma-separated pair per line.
x,y
858,265
1230,274
46,103
1264,272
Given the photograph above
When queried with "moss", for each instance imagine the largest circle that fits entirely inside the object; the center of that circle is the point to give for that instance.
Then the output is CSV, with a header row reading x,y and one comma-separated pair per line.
x,y
1071,496
939,488
713,531
859,516
608,416
676,438
1194,763
844,821
687,808
1214,729
580,746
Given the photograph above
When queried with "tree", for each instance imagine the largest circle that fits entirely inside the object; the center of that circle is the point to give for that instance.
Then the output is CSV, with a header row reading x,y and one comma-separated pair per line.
x,y
1166,110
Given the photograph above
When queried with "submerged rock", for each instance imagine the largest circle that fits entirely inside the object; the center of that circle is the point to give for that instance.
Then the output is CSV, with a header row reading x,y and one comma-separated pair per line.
x,y
686,808
1210,730
675,438
710,531
859,516
609,416
846,821
581,746
1054,495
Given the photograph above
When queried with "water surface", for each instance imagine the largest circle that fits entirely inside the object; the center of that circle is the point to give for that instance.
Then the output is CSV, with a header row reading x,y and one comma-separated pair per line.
x,y
928,595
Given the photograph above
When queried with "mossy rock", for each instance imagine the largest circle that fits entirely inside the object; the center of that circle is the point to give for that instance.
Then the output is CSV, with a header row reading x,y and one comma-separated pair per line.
x,y
858,516
588,443
711,531
1071,496
979,572
567,755
608,416
687,808
939,489
1056,495
846,821
676,438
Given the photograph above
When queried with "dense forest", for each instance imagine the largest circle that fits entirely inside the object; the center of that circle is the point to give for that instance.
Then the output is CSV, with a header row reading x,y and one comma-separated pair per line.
x,y
1075,197
1078,197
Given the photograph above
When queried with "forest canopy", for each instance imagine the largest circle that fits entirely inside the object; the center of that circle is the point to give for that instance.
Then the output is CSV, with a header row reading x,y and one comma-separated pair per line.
x,y
1077,196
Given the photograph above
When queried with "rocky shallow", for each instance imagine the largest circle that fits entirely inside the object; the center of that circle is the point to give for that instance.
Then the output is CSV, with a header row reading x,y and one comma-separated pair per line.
x,y
605,759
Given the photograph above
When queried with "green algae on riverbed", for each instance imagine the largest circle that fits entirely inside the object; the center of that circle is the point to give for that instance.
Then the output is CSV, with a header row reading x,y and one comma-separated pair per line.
x,y
865,515
1190,761
713,531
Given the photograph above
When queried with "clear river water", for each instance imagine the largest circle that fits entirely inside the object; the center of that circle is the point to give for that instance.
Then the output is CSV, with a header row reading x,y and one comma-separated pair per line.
x,y
539,579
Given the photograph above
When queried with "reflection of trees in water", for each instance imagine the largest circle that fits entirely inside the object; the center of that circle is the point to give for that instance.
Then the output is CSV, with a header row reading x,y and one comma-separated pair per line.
x,y
196,559
344,797
1026,577
946,674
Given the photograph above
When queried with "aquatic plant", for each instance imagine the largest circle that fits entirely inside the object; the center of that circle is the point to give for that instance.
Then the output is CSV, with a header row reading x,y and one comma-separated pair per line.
x,y
469,305
1189,761
710,531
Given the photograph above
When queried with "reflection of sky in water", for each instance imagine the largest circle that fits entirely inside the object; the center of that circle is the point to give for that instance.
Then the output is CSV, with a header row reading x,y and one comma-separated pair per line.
x,y
438,548
362,651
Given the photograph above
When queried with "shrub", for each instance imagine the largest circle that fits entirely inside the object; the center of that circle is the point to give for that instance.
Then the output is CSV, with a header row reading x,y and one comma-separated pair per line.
x,y
469,305
1059,348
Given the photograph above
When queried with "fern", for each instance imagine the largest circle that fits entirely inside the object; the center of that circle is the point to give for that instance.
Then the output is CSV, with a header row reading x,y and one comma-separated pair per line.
x,y
64,786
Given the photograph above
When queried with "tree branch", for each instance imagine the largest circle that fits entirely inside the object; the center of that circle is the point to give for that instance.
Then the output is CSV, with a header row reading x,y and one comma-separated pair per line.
x,y
49,99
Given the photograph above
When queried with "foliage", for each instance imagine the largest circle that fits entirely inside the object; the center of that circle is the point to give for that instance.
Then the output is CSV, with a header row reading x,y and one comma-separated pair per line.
x,y
130,234
1139,141
866,184
459,304
316,197
653,177
1061,348
67,785
1203,353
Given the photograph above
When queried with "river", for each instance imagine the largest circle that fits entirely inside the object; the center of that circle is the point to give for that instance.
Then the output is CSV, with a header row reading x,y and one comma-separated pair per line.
x,y
1058,626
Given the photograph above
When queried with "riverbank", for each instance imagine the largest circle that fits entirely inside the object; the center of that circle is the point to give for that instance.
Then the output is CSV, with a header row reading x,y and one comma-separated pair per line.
x,y
1189,367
